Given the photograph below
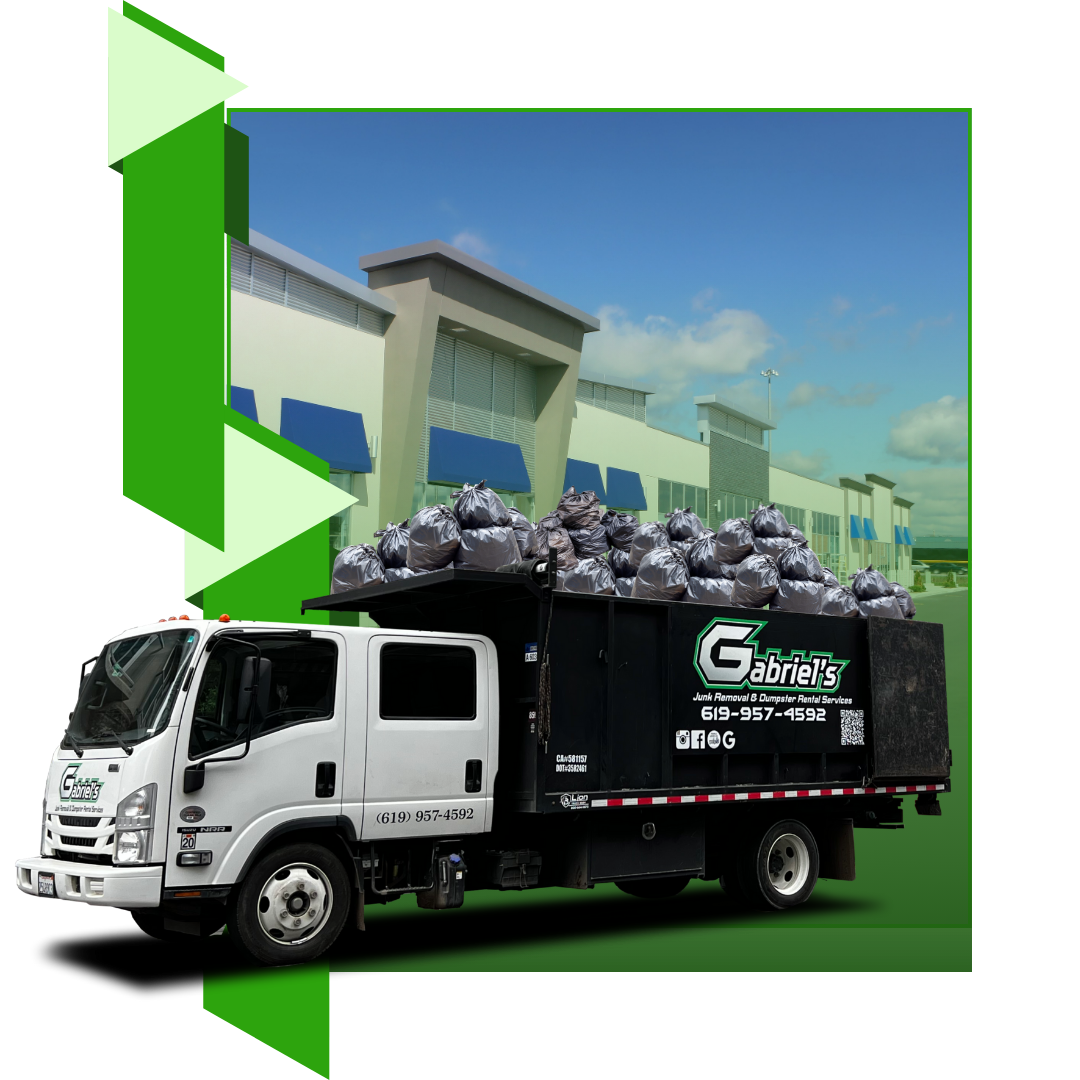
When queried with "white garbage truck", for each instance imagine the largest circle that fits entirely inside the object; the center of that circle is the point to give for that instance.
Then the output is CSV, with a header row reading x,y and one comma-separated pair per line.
x,y
489,732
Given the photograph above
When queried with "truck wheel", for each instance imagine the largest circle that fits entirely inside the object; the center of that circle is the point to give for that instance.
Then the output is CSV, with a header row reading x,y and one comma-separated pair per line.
x,y
780,869
292,905
656,888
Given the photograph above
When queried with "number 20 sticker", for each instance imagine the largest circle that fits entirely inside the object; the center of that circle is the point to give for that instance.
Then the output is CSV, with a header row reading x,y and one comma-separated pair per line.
x,y
187,841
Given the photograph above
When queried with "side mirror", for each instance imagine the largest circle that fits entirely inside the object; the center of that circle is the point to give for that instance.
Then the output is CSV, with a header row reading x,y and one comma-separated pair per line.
x,y
245,695
194,776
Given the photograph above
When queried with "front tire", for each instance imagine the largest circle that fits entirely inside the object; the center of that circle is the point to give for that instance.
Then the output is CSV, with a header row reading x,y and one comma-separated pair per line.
x,y
292,905
780,869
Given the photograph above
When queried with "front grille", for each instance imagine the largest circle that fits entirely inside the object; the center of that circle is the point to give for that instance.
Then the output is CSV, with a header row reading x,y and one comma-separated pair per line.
x,y
79,856
78,841
79,822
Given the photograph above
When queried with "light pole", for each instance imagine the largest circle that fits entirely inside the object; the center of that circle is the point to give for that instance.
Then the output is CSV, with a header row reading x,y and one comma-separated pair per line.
x,y
768,374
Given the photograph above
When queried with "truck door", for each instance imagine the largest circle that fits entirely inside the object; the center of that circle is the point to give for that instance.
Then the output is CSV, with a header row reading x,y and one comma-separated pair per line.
x,y
431,750
293,766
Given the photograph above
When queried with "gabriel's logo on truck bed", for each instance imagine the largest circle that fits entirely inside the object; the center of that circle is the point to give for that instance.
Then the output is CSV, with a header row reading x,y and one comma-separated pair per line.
x,y
728,656
79,788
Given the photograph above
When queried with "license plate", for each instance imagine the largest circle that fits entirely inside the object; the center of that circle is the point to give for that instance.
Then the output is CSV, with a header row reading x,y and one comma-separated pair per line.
x,y
46,885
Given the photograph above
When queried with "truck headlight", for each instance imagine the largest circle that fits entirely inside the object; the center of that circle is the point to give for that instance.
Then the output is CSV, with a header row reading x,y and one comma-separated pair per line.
x,y
135,826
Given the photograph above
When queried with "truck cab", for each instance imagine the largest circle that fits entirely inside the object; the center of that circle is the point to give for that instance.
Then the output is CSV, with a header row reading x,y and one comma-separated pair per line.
x,y
198,750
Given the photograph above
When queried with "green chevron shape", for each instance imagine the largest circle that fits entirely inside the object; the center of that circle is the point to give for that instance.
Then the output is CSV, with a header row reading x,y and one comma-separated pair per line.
x,y
155,86
268,501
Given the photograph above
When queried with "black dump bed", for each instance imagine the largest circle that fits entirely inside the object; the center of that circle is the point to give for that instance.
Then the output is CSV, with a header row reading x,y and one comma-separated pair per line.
x,y
658,699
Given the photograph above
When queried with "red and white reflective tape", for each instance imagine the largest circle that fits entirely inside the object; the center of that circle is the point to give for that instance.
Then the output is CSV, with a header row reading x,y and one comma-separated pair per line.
x,y
753,796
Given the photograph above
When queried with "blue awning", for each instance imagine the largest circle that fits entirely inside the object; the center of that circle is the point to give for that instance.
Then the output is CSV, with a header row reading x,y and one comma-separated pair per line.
x,y
624,490
908,538
856,528
457,458
584,476
898,536
335,435
869,532
243,401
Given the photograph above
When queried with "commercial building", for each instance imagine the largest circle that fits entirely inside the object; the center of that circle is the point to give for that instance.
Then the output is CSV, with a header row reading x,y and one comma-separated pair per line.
x,y
444,370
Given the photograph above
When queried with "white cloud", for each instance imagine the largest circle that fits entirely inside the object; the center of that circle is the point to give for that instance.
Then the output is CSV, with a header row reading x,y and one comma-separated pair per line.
x,y
923,324
860,395
940,496
934,431
672,357
840,304
472,244
812,465
704,300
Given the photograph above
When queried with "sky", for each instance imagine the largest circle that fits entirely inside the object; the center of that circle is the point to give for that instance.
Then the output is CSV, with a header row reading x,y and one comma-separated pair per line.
x,y
832,247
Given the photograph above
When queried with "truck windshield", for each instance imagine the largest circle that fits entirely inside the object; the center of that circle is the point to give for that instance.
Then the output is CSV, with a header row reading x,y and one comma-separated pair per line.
x,y
131,690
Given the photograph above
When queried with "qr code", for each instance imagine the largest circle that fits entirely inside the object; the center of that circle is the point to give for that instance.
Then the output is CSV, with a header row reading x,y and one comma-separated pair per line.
x,y
851,727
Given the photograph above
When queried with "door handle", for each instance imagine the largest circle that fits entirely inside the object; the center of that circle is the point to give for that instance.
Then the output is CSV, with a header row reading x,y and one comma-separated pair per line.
x,y
325,775
473,769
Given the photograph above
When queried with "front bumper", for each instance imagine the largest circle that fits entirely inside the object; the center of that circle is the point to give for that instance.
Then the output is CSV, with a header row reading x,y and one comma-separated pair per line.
x,y
107,886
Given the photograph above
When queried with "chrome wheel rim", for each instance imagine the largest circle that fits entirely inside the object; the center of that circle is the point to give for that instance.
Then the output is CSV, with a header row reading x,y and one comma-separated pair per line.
x,y
295,904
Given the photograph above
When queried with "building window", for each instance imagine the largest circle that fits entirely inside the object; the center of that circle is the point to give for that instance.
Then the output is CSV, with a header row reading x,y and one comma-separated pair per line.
x,y
825,540
794,516
730,505
672,495
433,494
339,523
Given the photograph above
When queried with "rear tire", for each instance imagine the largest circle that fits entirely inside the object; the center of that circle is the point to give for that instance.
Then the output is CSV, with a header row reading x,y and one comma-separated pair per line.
x,y
779,869
654,888
292,905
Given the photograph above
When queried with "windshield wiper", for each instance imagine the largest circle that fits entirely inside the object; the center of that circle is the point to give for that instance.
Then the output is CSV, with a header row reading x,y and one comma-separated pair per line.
x,y
123,745
74,743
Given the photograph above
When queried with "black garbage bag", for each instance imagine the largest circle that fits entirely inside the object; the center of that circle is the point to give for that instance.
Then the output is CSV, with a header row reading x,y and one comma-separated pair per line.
x,y
624,586
550,521
756,581
579,511
799,563
870,584
829,579
684,525
662,575
619,561
591,575
903,597
393,547
840,600
798,595
728,571
356,567
558,541
524,532
734,541
487,549
796,534
652,534
771,545
701,558
479,508
709,590
768,521
887,607
620,529
589,543
400,573
434,535
682,547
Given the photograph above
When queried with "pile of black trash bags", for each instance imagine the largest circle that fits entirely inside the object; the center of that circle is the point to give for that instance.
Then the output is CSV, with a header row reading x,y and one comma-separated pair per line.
x,y
763,562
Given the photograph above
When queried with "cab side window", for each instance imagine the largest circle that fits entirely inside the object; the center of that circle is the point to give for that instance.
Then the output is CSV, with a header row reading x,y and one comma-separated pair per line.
x,y
427,682
296,686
